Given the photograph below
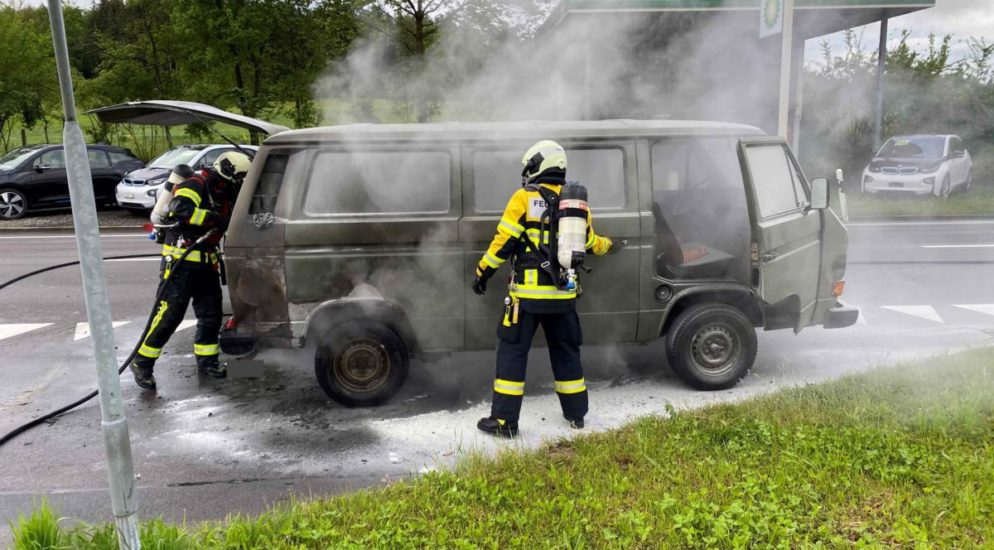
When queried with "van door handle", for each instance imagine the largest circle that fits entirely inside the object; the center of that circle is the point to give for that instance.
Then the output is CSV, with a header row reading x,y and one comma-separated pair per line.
x,y
769,257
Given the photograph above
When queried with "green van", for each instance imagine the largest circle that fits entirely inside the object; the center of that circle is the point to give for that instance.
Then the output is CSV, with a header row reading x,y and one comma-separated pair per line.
x,y
362,240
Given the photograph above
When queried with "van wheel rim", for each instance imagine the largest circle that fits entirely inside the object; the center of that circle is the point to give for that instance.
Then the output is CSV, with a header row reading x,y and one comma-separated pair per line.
x,y
715,349
362,366
11,204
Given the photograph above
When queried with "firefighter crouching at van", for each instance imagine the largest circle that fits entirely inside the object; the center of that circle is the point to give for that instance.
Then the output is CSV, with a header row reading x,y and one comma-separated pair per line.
x,y
201,205
540,292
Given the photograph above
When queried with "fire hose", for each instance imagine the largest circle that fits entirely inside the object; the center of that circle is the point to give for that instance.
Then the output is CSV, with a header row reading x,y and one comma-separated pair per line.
x,y
131,356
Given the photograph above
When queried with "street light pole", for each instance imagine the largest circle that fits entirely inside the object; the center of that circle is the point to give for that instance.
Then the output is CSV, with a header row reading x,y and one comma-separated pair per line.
x,y
117,442
786,47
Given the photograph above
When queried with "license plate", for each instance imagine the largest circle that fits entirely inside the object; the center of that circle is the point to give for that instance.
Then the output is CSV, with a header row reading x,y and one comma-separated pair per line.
x,y
129,195
897,184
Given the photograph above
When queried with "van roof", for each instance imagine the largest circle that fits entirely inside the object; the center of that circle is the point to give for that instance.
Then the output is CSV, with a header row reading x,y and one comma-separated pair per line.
x,y
523,130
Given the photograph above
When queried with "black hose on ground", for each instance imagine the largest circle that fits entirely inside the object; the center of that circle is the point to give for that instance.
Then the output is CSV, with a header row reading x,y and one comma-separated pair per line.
x,y
131,356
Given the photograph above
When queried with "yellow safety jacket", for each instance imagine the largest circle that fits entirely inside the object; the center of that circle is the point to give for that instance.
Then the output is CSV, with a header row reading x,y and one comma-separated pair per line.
x,y
522,219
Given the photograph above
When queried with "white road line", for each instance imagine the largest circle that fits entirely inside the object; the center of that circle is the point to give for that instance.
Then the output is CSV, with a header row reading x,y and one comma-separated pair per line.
x,y
979,308
958,246
73,237
186,324
924,312
6,331
950,222
83,329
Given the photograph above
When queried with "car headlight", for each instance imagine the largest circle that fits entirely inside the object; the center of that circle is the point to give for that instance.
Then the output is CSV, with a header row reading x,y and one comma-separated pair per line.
x,y
867,178
928,169
929,181
873,168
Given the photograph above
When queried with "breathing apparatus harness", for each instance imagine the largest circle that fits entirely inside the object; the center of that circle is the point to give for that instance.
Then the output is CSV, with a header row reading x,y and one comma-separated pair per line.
x,y
560,258
131,356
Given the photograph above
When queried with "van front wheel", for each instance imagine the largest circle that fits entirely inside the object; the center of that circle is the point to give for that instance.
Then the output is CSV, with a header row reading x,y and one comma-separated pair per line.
x,y
361,364
711,346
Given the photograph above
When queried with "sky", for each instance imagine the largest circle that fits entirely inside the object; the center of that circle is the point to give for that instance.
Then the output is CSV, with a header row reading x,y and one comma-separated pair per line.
x,y
961,18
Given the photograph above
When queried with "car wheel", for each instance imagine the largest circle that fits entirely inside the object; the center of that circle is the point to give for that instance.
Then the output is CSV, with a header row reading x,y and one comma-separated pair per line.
x,y
945,190
13,204
361,364
711,346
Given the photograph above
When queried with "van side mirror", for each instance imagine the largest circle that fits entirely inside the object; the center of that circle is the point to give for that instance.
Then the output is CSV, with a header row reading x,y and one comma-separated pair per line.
x,y
839,178
819,193
959,154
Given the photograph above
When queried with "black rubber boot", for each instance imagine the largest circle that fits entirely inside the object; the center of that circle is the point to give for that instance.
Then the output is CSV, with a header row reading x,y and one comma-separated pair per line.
x,y
575,423
143,376
498,427
212,368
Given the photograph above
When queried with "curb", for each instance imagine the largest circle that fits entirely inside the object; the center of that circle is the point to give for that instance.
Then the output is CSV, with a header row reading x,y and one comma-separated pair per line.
x,y
948,218
70,230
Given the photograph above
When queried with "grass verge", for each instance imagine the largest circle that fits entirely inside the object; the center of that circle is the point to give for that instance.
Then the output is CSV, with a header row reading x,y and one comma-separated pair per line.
x,y
900,456
978,201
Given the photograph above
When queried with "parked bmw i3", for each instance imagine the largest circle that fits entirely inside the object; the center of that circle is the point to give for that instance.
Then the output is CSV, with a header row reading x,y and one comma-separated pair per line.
x,y
919,165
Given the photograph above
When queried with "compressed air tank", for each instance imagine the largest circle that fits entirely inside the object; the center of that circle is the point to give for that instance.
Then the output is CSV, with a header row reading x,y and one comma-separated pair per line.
x,y
571,233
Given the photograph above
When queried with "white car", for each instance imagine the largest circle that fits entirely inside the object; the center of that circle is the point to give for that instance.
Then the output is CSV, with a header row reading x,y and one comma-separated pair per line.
x,y
934,165
140,188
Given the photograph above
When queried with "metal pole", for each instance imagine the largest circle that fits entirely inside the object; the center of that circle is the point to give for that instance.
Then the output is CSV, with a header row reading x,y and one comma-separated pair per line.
x,y
117,442
878,115
786,45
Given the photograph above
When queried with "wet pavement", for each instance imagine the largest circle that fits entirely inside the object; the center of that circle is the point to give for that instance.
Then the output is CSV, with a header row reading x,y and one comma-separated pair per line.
x,y
205,448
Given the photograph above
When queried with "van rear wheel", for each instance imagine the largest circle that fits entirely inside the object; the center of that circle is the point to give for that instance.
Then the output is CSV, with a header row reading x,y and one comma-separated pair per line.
x,y
711,346
361,364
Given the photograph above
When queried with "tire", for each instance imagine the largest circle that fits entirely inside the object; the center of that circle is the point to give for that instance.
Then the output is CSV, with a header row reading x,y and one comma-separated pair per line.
x,y
711,346
13,204
945,190
361,364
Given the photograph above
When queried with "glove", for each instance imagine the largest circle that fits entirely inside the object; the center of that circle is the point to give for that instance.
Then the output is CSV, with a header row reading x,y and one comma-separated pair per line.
x,y
479,286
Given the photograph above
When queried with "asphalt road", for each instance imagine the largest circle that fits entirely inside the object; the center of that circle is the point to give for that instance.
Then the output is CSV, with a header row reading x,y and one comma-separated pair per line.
x,y
206,448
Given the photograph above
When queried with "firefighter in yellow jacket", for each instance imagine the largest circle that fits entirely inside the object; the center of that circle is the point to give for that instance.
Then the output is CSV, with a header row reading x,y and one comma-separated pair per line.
x,y
536,296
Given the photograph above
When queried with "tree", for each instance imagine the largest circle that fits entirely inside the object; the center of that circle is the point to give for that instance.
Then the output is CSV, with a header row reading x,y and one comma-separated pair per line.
x,y
28,68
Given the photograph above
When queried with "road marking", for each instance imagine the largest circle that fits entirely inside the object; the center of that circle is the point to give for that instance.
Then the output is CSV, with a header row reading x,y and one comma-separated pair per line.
x,y
73,237
155,259
83,329
958,246
924,312
861,320
950,222
6,331
186,324
979,308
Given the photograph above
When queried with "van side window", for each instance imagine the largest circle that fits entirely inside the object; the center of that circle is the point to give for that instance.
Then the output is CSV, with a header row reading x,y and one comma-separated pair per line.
x,y
379,182
774,180
699,208
496,176
268,188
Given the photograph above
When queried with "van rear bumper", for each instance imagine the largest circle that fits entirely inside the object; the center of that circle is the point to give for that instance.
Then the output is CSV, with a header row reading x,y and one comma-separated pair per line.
x,y
841,316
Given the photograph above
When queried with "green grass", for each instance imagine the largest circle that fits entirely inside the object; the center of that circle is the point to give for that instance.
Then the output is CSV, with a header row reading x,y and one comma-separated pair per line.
x,y
901,456
979,201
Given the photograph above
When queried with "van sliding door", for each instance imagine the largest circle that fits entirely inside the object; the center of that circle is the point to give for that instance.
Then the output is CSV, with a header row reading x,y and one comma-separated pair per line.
x,y
608,306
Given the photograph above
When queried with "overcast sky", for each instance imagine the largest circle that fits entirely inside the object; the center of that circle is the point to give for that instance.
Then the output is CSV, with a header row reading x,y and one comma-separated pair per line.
x,y
960,18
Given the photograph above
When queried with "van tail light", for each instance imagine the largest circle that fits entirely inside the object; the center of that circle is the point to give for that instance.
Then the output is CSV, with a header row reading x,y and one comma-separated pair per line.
x,y
838,288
